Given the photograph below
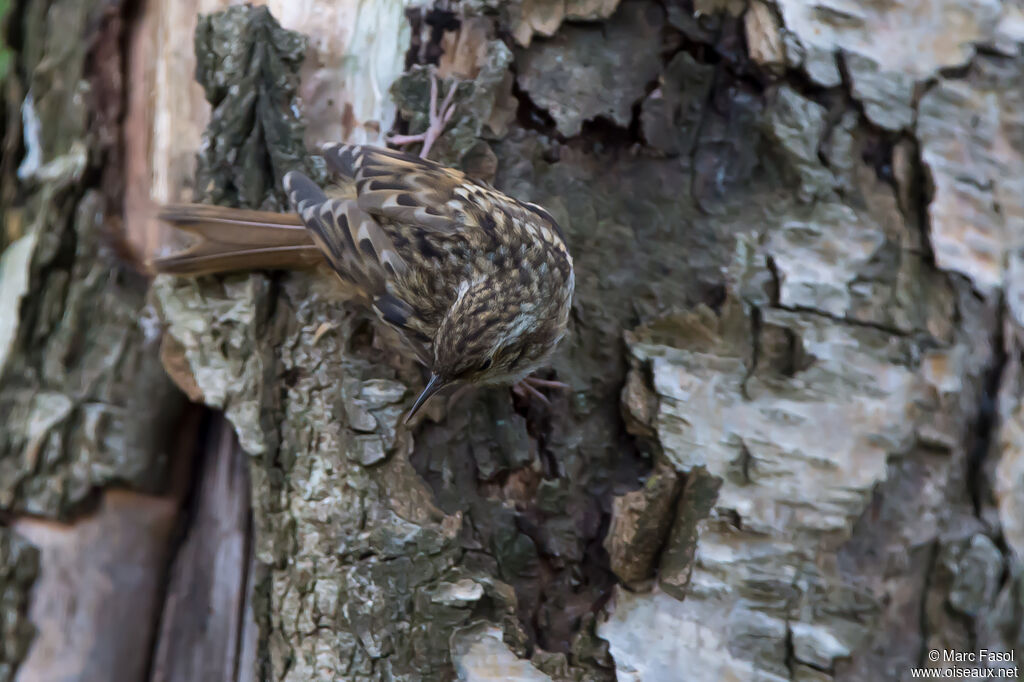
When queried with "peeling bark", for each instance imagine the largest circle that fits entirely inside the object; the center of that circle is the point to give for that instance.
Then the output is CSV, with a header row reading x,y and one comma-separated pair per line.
x,y
792,449
790,350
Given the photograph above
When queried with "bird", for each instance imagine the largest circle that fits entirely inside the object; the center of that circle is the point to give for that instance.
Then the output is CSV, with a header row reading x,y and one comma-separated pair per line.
x,y
478,284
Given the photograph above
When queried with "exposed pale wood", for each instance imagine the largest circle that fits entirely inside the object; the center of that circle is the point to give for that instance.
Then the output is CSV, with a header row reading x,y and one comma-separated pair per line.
x,y
356,51
200,636
97,590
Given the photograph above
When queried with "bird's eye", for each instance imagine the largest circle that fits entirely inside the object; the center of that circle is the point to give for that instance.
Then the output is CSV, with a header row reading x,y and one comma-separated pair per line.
x,y
485,365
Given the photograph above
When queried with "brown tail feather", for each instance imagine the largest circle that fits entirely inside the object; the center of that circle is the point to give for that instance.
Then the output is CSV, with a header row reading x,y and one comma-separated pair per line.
x,y
231,239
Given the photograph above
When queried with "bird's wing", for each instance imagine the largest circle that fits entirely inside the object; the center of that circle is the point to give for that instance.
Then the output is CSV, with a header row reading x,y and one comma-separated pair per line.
x,y
358,250
409,190
406,189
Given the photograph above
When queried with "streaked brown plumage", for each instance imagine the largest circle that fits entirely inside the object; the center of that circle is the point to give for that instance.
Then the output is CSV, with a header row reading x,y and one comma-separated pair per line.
x,y
478,283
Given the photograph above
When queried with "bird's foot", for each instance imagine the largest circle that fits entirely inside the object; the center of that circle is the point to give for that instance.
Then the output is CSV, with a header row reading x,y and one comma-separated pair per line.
x,y
439,117
531,385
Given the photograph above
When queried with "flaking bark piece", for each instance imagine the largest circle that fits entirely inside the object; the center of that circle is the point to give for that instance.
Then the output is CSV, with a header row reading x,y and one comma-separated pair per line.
x,y
671,115
640,521
527,18
591,71
680,552
248,66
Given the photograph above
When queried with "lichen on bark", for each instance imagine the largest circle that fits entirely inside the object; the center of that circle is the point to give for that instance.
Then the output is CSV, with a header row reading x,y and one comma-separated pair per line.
x,y
86,400
840,303
19,565
363,575
248,67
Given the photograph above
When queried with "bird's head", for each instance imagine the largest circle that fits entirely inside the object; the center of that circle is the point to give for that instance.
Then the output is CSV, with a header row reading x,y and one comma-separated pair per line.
x,y
493,334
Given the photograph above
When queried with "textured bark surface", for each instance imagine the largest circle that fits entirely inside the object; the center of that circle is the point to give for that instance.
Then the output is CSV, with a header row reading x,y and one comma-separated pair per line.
x,y
793,449
19,567
85,402
756,287
77,349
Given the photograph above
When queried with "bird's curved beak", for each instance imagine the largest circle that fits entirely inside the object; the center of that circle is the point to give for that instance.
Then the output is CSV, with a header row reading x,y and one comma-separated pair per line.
x,y
435,384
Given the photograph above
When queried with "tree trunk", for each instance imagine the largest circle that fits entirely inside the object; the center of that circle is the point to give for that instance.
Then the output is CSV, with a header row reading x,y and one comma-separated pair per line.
x,y
793,448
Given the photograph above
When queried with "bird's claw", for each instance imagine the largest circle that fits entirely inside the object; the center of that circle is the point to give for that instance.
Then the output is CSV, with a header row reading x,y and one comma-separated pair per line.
x,y
439,117
531,385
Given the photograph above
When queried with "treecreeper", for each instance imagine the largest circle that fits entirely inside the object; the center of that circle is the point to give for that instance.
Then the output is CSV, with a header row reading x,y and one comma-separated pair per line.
x,y
478,284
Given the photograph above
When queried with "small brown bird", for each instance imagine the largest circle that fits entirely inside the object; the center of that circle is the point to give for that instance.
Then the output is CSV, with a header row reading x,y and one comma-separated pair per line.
x,y
479,284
